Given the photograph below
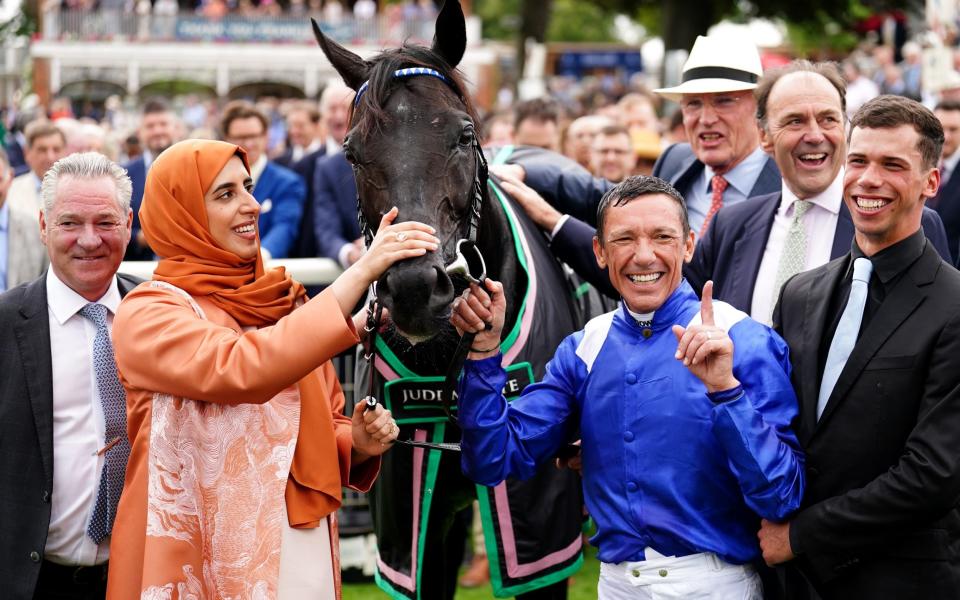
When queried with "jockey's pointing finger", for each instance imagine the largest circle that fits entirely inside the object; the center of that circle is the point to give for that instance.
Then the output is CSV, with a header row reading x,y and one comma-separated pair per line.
x,y
706,304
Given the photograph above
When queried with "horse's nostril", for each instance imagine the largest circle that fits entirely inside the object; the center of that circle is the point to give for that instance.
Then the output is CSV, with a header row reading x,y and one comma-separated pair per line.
x,y
443,288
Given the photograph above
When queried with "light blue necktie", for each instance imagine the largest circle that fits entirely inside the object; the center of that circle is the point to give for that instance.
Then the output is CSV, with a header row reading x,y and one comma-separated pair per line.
x,y
114,402
845,337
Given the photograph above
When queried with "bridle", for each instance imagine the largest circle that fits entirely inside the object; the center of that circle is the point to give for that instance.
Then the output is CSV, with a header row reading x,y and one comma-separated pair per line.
x,y
467,262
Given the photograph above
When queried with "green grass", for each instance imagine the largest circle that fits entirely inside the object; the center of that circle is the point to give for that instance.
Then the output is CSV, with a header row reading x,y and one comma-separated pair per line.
x,y
584,585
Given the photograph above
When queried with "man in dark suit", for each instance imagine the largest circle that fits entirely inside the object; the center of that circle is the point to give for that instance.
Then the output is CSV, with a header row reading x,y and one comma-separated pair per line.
x,y
303,134
875,347
753,247
280,191
335,209
947,200
718,116
334,119
62,418
157,132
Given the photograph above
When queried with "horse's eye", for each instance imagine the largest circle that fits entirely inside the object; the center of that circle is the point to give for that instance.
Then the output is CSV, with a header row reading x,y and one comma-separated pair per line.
x,y
466,137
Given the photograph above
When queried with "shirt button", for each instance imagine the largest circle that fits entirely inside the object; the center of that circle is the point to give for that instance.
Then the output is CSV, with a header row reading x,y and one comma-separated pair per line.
x,y
631,486
628,436
635,572
35,556
631,378
662,572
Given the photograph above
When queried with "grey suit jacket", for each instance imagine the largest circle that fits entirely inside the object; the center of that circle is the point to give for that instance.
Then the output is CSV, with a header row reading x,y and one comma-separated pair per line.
x,y
26,434
26,255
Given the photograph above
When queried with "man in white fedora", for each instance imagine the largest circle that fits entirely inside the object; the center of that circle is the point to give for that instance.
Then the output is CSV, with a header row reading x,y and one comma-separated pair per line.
x,y
723,163
719,116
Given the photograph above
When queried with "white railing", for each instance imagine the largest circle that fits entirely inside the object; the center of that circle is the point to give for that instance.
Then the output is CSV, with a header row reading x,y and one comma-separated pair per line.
x,y
308,271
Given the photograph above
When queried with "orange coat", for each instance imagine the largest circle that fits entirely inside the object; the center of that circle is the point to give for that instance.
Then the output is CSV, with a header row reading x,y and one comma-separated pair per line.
x,y
213,416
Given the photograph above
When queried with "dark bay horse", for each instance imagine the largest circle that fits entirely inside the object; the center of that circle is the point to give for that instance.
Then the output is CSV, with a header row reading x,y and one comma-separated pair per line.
x,y
413,144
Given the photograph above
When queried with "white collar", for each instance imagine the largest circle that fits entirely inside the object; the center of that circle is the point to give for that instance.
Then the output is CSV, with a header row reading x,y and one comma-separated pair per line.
x,y
951,162
830,198
639,317
256,169
64,302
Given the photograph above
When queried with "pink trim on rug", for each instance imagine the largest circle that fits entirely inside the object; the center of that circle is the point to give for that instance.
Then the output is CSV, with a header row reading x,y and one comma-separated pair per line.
x,y
409,581
514,568
385,370
527,319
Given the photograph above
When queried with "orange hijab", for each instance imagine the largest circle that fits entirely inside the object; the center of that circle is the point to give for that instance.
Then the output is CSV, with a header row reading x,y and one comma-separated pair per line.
x,y
174,220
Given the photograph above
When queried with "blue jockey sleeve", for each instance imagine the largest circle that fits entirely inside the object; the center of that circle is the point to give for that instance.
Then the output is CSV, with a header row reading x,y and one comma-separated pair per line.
x,y
665,466
502,440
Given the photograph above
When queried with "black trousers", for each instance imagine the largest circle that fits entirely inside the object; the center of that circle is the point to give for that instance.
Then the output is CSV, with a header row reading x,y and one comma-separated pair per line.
x,y
57,582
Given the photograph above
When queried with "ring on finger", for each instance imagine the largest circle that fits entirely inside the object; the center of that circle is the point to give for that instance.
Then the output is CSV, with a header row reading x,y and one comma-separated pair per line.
x,y
401,236
709,335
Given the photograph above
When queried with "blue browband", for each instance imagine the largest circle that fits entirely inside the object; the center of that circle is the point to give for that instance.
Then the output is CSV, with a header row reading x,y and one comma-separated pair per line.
x,y
409,72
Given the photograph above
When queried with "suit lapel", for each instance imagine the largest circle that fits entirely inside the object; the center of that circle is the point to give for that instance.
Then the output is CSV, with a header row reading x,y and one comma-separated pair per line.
x,y
896,307
688,172
818,294
769,180
843,235
33,342
748,251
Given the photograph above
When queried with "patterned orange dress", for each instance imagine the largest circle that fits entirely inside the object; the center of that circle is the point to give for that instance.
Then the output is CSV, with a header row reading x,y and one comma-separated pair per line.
x,y
221,441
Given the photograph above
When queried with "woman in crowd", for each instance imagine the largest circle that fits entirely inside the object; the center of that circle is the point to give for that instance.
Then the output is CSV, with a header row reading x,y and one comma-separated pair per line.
x,y
239,448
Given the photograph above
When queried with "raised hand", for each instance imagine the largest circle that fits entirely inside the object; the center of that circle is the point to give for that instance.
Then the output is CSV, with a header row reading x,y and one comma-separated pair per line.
x,y
481,312
706,349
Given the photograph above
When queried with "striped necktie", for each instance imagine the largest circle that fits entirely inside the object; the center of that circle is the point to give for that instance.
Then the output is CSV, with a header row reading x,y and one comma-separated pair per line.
x,y
718,185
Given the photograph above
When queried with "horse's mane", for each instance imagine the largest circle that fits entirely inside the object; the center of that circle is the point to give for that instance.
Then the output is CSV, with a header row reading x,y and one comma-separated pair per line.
x,y
382,82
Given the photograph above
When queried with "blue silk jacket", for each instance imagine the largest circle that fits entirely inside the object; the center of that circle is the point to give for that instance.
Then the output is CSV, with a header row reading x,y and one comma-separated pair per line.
x,y
665,464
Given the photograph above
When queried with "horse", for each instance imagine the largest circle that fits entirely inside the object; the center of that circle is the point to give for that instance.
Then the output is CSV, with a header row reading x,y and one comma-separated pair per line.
x,y
413,143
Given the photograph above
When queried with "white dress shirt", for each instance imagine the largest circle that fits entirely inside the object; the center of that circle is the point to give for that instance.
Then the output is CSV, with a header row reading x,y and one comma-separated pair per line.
x,y
78,425
820,224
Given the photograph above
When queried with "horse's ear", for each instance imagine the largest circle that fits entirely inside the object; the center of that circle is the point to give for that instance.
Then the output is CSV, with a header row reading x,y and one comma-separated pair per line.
x,y
351,67
450,34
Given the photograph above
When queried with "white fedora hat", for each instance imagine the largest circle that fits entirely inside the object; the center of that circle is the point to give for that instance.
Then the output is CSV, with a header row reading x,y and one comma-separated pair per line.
x,y
718,64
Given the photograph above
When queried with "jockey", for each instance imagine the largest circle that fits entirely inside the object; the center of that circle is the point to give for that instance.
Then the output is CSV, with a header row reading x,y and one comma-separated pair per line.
x,y
686,443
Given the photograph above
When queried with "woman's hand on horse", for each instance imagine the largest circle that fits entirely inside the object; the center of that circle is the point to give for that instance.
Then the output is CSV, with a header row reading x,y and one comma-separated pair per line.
x,y
396,242
482,312
373,431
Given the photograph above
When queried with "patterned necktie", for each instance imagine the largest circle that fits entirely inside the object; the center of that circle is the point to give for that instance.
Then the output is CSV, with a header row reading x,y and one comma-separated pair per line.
x,y
718,185
114,402
845,337
794,255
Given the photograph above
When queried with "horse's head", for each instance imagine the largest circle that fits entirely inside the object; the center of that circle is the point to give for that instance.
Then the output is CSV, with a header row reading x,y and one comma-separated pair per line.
x,y
412,144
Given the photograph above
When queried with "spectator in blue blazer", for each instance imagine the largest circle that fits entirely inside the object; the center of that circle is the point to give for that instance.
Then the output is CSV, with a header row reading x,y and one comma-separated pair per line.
x,y
280,191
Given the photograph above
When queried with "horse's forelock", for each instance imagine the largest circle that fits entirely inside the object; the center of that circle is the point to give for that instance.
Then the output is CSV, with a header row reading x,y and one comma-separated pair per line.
x,y
382,82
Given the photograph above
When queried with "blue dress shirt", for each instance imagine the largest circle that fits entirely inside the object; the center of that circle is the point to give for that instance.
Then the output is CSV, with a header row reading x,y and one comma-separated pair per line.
x,y
665,465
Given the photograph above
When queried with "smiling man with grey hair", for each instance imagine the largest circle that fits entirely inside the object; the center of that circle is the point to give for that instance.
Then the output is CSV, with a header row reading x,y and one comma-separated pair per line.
x,y
62,409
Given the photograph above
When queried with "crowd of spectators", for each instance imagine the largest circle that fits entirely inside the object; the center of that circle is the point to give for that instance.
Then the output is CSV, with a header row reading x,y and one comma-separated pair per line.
x,y
613,127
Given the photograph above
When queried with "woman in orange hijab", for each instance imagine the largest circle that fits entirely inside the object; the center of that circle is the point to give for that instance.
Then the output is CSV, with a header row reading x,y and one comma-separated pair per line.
x,y
238,445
